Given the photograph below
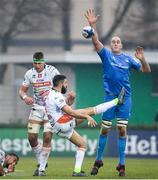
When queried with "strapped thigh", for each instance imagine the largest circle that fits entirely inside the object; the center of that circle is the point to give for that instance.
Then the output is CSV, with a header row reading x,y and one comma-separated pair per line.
x,y
122,122
106,124
47,127
33,127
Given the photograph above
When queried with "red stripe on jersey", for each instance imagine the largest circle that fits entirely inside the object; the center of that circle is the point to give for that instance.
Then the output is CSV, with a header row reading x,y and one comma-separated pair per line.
x,y
64,119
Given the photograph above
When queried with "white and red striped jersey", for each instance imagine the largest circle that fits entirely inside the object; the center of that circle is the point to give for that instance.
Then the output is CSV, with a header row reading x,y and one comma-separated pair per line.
x,y
55,101
41,82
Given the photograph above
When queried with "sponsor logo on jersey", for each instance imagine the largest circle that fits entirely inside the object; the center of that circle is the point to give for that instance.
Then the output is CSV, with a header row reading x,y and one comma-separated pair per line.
x,y
119,65
41,84
39,80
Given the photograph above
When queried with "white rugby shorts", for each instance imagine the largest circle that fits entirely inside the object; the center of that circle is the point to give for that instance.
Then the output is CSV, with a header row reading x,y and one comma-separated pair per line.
x,y
64,127
38,113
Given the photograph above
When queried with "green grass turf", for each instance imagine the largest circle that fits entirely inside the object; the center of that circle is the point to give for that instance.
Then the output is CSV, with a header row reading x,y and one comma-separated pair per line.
x,y
61,168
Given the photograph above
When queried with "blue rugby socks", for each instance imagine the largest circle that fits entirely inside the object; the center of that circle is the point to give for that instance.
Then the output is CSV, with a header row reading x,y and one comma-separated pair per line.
x,y
121,145
101,146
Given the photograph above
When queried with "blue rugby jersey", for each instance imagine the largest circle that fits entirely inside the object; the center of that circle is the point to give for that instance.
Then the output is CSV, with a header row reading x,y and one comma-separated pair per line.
x,y
116,71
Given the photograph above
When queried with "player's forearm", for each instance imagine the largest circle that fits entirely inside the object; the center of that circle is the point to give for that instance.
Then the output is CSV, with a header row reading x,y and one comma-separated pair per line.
x,y
78,115
95,40
74,113
145,66
23,92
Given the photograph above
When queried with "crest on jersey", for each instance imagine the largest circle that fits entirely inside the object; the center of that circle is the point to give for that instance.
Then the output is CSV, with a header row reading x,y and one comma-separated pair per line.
x,y
127,60
39,75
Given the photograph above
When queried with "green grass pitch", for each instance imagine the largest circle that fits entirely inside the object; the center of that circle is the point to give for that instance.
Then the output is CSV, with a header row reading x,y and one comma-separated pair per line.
x,y
61,168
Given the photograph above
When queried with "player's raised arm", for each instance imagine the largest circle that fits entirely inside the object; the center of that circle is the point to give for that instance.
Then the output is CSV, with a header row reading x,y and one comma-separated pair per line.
x,y
139,54
92,19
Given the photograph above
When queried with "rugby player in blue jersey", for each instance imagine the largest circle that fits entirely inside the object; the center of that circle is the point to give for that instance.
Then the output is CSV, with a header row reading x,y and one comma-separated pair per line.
x,y
116,72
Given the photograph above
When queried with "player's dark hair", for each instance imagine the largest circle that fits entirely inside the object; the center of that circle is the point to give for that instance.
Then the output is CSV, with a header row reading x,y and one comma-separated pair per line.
x,y
38,55
13,154
58,79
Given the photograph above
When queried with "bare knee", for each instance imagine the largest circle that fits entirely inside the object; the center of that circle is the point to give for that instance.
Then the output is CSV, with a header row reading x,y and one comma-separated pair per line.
x,y
105,127
122,131
122,127
78,140
47,137
80,143
33,139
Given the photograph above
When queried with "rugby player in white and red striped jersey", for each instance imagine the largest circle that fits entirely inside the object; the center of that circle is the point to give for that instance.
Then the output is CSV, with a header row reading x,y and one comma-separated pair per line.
x,y
40,78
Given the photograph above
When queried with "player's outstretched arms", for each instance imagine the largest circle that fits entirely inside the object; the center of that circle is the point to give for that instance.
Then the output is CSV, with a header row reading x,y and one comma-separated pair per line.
x,y
139,54
92,19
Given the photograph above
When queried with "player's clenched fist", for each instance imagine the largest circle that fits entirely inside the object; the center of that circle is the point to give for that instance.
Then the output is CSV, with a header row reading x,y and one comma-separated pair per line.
x,y
28,100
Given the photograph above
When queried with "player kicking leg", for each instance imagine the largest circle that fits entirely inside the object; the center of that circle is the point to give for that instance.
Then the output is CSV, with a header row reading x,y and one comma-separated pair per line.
x,y
61,117
100,108
66,130
64,127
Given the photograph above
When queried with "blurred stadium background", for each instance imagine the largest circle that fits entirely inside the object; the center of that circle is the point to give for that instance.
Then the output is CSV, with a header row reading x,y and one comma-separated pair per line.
x,y
54,27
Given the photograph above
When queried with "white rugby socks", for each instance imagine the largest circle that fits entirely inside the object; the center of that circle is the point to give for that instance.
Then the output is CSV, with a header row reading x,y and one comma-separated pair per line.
x,y
44,158
79,159
105,106
37,150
